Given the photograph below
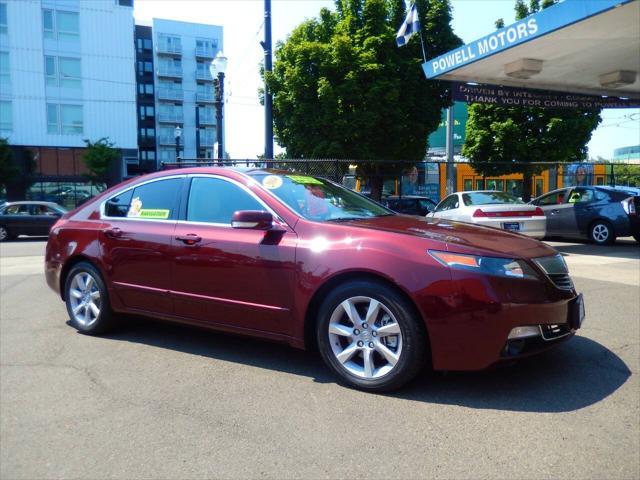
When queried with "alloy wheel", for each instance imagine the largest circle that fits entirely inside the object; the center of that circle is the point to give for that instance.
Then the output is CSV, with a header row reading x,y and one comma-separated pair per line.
x,y
85,300
365,337
600,233
3,234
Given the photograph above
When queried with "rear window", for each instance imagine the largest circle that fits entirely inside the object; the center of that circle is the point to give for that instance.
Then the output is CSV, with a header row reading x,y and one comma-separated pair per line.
x,y
488,198
152,201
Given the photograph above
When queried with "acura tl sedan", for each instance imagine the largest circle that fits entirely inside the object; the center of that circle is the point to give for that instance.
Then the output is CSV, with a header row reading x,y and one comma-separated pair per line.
x,y
302,260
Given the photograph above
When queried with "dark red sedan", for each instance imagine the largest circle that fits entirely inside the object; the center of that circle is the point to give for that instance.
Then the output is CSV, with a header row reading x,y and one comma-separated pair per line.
x,y
302,260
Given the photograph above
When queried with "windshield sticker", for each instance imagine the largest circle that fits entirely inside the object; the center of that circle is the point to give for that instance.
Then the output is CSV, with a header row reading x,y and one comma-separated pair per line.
x,y
271,182
156,213
134,209
304,180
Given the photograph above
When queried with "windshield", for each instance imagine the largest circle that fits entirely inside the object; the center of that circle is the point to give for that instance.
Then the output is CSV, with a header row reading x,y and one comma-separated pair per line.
x,y
488,198
318,199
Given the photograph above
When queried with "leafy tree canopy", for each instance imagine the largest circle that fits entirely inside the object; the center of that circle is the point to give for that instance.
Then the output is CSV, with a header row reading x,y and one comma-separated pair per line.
x,y
343,89
8,170
519,134
98,158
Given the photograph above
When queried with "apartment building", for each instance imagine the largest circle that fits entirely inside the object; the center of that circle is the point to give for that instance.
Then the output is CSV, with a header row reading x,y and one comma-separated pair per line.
x,y
184,88
66,74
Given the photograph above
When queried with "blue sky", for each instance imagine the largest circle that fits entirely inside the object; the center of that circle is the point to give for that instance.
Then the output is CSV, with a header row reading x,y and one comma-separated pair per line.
x,y
243,19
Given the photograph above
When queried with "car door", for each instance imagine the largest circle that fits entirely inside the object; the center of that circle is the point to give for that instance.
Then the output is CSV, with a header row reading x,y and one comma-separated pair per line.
x,y
135,241
43,217
226,276
557,211
17,218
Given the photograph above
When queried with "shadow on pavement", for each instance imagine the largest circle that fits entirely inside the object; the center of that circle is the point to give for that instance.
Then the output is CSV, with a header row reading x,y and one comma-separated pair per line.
x,y
621,249
576,374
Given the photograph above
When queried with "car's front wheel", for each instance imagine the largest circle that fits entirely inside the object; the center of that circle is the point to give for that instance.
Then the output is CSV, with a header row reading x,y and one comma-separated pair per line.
x,y
370,336
5,234
87,300
601,233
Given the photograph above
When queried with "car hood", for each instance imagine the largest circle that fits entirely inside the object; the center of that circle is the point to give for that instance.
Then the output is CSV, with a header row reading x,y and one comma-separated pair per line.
x,y
458,236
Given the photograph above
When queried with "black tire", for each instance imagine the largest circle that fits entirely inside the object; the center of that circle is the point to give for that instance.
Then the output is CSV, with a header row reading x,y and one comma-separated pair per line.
x,y
413,341
93,325
5,234
601,232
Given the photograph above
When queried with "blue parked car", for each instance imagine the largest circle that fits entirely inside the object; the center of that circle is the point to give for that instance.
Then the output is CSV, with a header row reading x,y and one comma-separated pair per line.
x,y
599,214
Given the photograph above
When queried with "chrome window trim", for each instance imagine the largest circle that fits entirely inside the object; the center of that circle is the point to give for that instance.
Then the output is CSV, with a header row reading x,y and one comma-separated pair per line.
x,y
132,187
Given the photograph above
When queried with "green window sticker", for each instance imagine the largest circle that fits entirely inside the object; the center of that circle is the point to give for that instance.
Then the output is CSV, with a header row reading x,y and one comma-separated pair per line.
x,y
155,213
304,180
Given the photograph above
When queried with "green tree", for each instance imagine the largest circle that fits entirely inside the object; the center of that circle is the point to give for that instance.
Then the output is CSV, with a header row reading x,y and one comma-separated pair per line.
x,y
627,174
498,137
98,158
8,170
343,89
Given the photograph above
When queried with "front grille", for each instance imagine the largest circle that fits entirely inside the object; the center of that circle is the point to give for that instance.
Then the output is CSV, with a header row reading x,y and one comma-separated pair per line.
x,y
551,332
562,280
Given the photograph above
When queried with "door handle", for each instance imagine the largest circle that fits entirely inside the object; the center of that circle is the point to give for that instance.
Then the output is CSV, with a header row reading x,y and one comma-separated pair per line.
x,y
114,232
555,212
189,239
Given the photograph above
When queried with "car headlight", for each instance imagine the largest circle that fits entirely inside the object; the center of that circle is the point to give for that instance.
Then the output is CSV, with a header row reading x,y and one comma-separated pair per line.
x,y
496,266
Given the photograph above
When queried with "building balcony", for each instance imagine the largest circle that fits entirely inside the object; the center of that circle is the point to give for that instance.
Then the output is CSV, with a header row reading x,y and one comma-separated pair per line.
x,y
169,71
207,120
203,52
168,49
170,117
207,97
172,94
203,75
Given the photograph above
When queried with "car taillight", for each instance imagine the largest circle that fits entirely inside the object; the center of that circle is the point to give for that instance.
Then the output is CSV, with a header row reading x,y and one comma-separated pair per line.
x,y
479,213
539,212
629,207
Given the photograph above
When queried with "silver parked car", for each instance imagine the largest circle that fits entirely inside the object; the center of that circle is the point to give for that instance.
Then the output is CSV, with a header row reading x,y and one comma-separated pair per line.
x,y
493,209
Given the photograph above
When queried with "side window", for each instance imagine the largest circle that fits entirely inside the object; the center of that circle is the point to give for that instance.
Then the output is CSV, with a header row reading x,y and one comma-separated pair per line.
x,y
118,206
581,195
602,196
152,201
553,198
214,200
448,203
17,210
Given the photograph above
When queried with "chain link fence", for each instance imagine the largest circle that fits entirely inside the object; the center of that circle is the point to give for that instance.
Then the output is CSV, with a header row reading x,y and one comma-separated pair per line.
x,y
428,178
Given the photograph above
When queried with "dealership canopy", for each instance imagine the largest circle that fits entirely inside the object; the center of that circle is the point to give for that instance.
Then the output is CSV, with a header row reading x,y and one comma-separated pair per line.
x,y
578,46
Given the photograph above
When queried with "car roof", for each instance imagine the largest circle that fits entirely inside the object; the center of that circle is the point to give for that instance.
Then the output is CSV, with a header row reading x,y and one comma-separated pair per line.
x,y
34,202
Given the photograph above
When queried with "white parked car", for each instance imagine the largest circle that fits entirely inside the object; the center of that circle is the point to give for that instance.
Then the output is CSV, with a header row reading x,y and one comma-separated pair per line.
x,y
493,209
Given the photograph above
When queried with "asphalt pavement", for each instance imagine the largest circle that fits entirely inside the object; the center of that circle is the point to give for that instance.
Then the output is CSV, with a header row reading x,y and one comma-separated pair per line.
x,y
154,400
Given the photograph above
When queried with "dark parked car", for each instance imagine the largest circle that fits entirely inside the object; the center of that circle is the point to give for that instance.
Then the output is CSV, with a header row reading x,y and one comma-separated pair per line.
x,y
599,214
303,260
28,218
410,204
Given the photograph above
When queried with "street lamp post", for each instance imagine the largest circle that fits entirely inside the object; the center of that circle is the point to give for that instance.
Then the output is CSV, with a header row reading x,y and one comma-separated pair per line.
x,y
177,132
218,68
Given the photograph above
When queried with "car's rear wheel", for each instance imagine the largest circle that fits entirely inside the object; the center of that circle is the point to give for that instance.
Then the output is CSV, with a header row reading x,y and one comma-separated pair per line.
x,y
601,233
370,336
5,234
87,300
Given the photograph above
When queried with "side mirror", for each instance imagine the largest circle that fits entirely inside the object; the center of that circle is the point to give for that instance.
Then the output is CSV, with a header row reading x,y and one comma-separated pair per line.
x,y
252,220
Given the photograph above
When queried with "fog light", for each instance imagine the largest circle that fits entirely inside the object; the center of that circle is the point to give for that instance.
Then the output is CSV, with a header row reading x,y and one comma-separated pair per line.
x,y
524,332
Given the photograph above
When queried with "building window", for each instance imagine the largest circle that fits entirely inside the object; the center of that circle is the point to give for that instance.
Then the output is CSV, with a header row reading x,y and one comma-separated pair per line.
x,y
5,79
3,18
146,112
147,132
61,25
145,88
66,119
6,116
144,44
125,3
144,67
62,72
147,154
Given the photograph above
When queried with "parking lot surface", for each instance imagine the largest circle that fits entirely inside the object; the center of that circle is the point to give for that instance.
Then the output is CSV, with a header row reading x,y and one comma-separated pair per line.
x,y
154,400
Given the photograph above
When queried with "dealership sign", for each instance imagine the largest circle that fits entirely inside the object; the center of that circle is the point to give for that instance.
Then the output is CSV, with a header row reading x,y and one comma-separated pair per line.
x,y
534,26
524,97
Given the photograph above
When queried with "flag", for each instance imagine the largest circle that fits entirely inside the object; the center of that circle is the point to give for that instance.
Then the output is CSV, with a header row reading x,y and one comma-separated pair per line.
x,y
410,26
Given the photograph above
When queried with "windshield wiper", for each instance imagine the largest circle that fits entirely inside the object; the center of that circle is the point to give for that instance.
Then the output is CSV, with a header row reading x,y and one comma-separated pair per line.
x,y
344,219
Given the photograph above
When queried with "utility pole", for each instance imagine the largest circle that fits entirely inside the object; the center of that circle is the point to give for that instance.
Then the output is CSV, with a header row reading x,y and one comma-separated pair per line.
x,y
268,100
450,171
